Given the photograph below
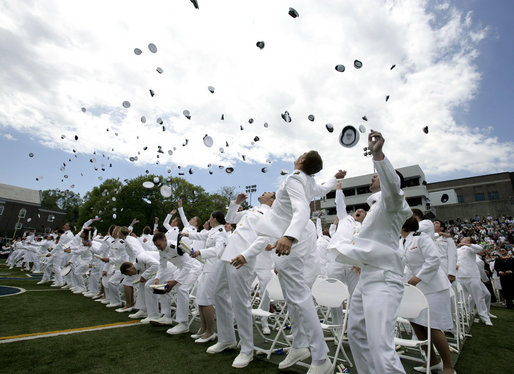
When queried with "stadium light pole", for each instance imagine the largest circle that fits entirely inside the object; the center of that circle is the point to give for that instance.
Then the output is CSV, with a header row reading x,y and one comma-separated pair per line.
x,y
249,190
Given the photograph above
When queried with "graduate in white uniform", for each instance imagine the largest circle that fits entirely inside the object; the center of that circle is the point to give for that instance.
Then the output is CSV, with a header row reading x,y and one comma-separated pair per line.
x,y
133,248
376,300
172,228
447,250
183,278
60,256
425,225
422,269
289,228
348,226
144,270
232,296
215,241
469,276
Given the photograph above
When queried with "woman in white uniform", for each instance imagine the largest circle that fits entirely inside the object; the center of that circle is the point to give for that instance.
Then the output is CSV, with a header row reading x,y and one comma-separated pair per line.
x,y
422,269
215,240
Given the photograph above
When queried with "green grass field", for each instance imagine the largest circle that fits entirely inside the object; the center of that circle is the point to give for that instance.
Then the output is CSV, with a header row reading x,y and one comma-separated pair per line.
x,y
148,349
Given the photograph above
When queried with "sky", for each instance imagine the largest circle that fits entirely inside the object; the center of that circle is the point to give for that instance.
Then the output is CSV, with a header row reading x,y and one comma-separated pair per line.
x,y
68,66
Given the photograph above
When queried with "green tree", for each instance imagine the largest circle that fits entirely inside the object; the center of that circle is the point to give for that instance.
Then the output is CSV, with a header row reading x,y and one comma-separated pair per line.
x,y
64,200
118,203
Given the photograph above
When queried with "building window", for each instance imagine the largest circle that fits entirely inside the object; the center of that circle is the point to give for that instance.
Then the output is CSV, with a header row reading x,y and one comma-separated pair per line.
x,y
414,201
493,195
363,190
51,218
22,213
349,192
479,196
331,211
460,199
331,195
411,182
18,226
1,210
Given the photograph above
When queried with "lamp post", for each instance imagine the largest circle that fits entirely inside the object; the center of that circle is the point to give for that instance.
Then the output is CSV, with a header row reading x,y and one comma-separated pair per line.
x,y
249,190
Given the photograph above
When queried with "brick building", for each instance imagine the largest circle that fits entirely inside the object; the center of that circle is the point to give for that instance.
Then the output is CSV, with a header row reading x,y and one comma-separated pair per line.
x,y
21,211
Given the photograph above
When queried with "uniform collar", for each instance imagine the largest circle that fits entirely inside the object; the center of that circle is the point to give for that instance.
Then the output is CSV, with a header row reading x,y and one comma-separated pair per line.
x,y
373,198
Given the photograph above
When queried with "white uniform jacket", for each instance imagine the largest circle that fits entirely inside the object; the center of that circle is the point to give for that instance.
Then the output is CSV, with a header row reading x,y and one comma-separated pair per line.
x,y
173,231
215,241
427,227
291,212
377,243
147,264
466,261
347,227
185,264
244,234
133,247
447,253
422,260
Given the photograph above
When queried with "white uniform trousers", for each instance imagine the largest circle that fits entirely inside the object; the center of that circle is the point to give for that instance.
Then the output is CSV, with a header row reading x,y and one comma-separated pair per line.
x,y
182,292
93,283
232,297
349,277
57,267
112,285
473,286
306,328
264,276
150,299
78,275
47,274
373,313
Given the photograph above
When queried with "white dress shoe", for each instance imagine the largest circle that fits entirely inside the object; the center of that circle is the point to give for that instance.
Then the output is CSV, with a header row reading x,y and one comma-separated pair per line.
x,y
146,320
423,369
162,321
111,305
492,315
488,323
56,285
78,290
321,369
221,346
96,297
138,314
294,355
123,310
266,330
43,282
181,328
210,338
66,287
196,336
242,360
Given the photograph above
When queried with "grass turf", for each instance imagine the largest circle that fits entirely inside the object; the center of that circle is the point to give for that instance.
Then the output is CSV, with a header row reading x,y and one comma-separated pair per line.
x,y
146,349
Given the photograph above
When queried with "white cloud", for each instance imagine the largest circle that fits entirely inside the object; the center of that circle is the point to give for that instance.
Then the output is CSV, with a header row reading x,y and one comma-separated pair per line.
x,y
67,55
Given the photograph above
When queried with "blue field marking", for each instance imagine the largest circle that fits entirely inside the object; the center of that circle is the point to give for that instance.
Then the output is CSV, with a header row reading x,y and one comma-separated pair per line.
x,y
10,291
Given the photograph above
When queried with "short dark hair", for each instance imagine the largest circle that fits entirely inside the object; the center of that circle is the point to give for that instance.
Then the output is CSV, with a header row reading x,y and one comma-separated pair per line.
x,y
441,224
124,267
312,163
158,236
219,216
417,213
147,230
411,224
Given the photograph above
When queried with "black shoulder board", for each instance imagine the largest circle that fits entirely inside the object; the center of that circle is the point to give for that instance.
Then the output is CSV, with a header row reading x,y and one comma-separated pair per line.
x,y
417,233
220,229
121,241
296,172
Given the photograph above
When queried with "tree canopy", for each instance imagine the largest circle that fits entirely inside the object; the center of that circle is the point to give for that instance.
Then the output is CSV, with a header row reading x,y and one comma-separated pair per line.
x,y
118,203
65,200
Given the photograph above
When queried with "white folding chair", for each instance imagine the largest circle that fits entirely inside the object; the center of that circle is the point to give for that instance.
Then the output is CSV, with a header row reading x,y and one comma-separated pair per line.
x,y
455,342
412,304
331,293
280,319
463,306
